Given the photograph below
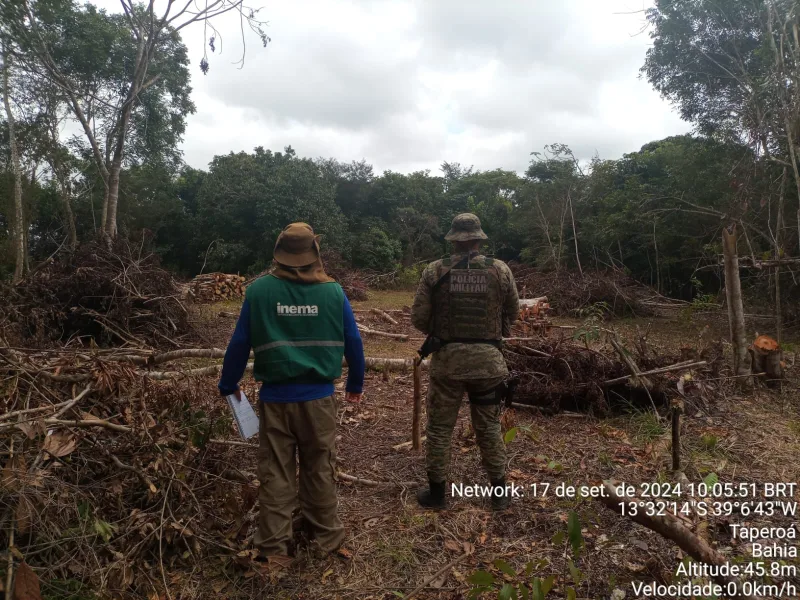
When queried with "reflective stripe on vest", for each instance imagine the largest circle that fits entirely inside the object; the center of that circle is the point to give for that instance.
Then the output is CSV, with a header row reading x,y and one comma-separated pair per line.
x,y
298,344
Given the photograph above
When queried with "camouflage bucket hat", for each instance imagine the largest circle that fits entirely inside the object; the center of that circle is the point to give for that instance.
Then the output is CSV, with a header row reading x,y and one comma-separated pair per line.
x,y
465,227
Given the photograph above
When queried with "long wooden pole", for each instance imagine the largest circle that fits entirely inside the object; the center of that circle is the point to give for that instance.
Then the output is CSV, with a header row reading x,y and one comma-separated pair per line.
x,y
676,435
416,440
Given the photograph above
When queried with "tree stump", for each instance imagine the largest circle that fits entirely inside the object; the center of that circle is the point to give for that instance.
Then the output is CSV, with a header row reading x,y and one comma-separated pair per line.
x,y
766,353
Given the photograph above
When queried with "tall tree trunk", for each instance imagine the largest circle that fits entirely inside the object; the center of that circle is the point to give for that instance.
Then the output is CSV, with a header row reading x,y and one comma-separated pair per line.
x,y
575,235
658,265
20,247
112,197
733,293
69,216
778,256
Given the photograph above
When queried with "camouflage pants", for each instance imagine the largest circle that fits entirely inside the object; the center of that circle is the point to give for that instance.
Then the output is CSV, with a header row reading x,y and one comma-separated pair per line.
x,y
304,430
444,400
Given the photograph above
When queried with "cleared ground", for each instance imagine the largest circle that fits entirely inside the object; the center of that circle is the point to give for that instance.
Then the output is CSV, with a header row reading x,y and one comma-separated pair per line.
x,y
394,545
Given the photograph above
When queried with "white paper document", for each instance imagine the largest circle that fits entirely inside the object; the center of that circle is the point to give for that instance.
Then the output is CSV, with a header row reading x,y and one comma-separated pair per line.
x,y
244,415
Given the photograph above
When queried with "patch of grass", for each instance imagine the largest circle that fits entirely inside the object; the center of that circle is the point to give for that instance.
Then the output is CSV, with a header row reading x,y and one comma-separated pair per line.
x,y
646,426
605,460
399,550
794,427
386,348
709,442
386,300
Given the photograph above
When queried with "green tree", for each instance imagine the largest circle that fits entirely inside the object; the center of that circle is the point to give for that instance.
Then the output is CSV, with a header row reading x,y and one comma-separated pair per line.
x,y
247,199
125,76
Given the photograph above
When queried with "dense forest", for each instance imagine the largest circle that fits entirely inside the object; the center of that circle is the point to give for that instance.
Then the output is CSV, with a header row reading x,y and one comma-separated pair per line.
x,y
657,212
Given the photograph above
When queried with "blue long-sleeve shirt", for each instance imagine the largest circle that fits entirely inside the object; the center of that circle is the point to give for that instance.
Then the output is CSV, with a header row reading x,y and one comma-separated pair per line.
x,y
238,352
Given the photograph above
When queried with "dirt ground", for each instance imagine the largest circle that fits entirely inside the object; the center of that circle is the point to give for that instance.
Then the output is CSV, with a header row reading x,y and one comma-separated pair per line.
x,y
393,546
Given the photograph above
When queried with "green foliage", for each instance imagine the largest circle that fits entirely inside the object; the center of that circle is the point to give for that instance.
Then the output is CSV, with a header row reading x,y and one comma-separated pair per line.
x,y
510,435
522,584
592,315
66,589
376,251
711,480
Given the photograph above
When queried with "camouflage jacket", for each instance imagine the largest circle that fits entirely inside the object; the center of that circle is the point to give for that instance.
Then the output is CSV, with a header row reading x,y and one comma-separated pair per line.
x,y
465,361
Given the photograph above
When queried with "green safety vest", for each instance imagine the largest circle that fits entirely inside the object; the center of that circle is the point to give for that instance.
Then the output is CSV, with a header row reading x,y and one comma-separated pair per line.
x,y
296,330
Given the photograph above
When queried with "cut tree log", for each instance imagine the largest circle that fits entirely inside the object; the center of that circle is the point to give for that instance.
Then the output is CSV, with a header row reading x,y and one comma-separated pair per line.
x,y
733,293
396,336
672,529
766,356
213,287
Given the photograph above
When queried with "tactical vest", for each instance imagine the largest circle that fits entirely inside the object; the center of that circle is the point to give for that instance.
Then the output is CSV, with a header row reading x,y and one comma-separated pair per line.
x,y
468,306
296,330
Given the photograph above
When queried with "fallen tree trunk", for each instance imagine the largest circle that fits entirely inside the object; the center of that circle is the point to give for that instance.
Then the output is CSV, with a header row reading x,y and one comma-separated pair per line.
x,y
687,364
384,315
672,529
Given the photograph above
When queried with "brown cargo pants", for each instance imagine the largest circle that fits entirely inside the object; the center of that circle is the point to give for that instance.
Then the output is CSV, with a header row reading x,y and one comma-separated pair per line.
x,y
286,431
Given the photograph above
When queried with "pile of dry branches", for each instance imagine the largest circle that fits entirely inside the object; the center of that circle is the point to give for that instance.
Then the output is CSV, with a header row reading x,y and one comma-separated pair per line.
x,y
119,295
558,374
351,280
215,287
570,292
109,478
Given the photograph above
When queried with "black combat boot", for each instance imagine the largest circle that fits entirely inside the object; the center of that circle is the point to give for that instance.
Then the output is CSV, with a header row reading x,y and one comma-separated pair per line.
x,y
500,501
433,497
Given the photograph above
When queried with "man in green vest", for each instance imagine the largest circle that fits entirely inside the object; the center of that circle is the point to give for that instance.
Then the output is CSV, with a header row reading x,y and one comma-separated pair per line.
x,y
466,304
300,325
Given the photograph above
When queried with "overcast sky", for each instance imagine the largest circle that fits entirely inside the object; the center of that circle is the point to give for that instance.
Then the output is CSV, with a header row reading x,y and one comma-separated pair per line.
x,y
407,84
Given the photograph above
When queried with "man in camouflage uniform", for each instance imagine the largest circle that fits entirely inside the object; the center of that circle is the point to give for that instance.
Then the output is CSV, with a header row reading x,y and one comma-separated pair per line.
x,y
469,312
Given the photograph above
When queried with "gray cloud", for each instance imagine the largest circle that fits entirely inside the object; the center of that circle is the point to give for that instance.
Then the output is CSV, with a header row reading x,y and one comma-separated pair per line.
x,y
407,84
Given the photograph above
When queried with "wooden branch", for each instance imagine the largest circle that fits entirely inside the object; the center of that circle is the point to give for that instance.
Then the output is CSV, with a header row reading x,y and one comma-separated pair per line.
x,y
66,405
89,423
78,378
165,375
535,351
688,364
373,483
384,315
672,529
436,576
396,336
233,443
677,409
175,355
408,444
635,375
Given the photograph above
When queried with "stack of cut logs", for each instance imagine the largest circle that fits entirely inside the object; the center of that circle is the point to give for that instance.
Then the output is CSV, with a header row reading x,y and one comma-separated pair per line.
x,y
533,314
214,287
